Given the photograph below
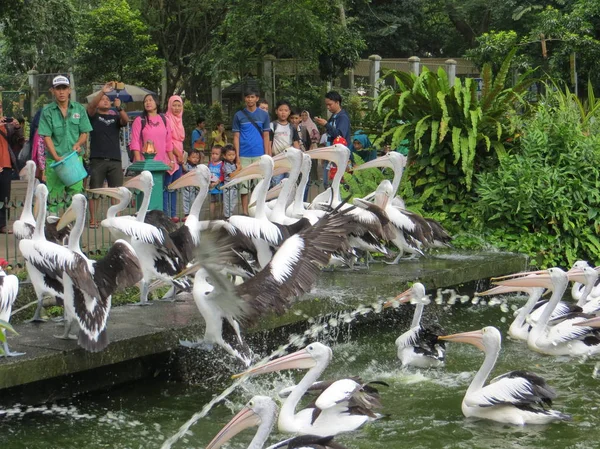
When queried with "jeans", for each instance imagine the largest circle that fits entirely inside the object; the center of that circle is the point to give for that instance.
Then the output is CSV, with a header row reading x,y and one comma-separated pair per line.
x,y
170,198
275,180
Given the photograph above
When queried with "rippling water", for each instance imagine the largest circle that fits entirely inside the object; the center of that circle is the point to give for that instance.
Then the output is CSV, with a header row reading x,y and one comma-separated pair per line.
x,y
422,407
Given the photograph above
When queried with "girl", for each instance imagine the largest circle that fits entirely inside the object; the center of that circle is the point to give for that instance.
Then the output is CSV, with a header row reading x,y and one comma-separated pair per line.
x,y
175,123
284,134
218,136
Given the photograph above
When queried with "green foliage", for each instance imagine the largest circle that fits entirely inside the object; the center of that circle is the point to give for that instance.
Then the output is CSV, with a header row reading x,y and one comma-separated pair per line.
x,y
4,326
114,43
454,134
544,200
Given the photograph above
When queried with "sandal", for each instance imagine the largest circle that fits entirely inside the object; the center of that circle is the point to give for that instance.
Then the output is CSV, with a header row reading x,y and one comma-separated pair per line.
x,y
93,225
5,230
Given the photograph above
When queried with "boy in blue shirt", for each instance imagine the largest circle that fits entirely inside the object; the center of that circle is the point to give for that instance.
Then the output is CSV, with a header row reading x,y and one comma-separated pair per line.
x,y
251,138
215,165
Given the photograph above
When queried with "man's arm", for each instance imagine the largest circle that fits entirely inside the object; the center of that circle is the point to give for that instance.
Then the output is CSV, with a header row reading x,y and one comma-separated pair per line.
x,y
236,145
123,117
82,139
343,126
93,105
50,147
267,142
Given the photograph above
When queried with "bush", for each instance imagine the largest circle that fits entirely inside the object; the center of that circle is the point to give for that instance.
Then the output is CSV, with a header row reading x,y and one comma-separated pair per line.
x,y
544,200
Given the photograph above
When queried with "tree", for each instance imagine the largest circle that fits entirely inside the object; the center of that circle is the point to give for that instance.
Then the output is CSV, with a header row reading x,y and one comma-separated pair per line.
x,y
38,34
114,43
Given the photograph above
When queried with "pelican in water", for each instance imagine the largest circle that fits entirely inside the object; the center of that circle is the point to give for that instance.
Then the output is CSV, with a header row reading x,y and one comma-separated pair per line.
x,y
343,407
517,397
419,346
262,411
558,336
9,288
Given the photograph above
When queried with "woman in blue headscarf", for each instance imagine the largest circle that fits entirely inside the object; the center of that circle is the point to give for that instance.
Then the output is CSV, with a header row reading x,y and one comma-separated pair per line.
x,y
363,147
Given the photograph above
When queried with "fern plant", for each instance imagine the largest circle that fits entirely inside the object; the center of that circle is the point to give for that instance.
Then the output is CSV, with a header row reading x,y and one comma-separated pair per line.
x,y
453,133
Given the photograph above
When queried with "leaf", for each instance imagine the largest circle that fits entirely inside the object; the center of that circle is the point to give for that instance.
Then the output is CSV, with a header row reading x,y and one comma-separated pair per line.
x,y
456,144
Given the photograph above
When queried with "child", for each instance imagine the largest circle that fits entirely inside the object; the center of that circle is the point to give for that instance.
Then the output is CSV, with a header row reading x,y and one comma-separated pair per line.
x,y
284,134
218,136
190,193
215,166
230,195
199,137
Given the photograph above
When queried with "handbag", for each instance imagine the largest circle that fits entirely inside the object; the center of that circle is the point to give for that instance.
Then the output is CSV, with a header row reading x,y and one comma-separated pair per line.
x,y
24,155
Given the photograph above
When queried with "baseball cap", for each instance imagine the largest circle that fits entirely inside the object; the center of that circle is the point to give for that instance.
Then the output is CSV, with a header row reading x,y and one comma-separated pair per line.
x,y
340,140
60,81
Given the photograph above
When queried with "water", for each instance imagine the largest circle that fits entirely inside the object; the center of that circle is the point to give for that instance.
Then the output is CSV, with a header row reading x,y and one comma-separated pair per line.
x,y
423,407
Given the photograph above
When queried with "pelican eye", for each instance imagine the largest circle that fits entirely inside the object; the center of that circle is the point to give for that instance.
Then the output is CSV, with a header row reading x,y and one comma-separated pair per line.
x,y
251,404
310,348
207,292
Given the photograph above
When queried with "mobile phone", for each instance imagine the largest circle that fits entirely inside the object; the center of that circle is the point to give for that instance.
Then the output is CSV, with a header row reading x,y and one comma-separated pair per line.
x,y
8,119
120,86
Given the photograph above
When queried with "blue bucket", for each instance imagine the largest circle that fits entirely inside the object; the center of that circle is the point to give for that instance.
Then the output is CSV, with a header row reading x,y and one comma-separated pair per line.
x,y
70,169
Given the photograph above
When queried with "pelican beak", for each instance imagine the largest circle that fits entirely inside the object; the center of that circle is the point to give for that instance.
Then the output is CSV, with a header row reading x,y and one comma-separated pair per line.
x,y
113,192
402,298
502,289
188,180
382,161
36,207
188,271
517,275
135,183
592,322
252,171
244,419
327,153
298,360
474,338
275,191
282,165
576,275
531,279
362,203
67,217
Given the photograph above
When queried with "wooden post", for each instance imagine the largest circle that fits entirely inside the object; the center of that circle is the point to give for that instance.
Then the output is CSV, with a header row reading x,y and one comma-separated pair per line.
x,y
374,73
451,71
415,65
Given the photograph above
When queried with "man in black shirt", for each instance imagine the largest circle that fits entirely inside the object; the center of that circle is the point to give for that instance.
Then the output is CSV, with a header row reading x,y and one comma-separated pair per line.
x,y
105,151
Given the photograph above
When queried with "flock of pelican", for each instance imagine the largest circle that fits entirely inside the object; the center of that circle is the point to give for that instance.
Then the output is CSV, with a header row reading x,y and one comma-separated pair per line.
x,y
247,266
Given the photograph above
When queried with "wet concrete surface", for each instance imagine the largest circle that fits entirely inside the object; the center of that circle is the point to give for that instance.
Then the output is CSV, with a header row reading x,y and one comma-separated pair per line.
x,y
142,332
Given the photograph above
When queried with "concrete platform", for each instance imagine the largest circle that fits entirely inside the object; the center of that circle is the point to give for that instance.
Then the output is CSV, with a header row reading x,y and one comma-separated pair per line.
x,y
141,332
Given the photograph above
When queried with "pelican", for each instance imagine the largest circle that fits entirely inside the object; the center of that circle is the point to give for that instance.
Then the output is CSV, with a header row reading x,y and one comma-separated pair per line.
x,y
559,336
397,162
89,284
43,280
419,346
517,397
23,227
298,207
520,327
9,288
158,255
291,273
343,407
261,411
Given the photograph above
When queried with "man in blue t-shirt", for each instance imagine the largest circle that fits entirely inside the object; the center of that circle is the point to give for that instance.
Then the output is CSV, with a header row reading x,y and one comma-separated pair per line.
x,y
251,140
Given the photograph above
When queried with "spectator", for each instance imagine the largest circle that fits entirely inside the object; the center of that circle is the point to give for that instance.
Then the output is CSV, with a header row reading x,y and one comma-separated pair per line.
x,y
175,122
263,104
338,124
64,125
199,137
152,127
218,136
10,132
230,195
105,149
215,165
284,134
250,138
362,146
311,130
190,193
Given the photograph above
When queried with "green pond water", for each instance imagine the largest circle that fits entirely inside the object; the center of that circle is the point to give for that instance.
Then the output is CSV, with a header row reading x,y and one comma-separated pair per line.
x,y
423,407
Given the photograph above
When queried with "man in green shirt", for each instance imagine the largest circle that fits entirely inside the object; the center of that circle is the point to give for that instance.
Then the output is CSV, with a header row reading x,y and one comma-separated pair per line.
x,y
64,124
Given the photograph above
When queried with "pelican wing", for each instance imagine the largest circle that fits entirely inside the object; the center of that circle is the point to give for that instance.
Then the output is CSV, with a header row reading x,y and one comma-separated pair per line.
x,y
514,388
258,229
9,288
185,243
160,220
296,265
409,338
134,229
564,330
309,441
120,268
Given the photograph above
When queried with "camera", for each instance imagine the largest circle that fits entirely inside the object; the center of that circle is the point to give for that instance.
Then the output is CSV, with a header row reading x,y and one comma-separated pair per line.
x,y
8,119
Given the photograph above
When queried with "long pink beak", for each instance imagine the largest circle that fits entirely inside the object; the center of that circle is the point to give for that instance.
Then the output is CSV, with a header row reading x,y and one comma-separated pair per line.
x,y
244,419
301,359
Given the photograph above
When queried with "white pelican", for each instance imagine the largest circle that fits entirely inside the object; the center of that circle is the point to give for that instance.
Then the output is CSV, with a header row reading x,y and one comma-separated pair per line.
x,y
520,327
262,411
419,346
43,280
23,227
9,288
298,207
89,284
291,273
343,407
158,255
559,336
517,397
397,162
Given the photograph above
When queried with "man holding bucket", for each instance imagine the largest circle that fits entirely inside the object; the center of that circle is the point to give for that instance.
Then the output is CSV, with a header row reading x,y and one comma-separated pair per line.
x,y
65,125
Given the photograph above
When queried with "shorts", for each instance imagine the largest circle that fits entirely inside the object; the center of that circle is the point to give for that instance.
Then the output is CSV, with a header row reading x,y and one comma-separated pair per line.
x,y
105,169
215,197
245,186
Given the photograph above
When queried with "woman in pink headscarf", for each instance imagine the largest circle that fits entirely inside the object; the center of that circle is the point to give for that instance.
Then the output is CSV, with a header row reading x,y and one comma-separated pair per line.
x,y
175,122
